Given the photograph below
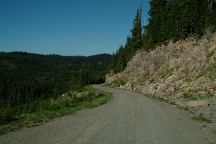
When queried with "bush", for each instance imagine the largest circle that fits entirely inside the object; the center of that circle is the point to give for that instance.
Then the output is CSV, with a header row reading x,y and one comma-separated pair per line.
x,y
190,95
193,95
34,113
52,106
32,118
210,54
118,83
165,73
7,114
211,70
201,118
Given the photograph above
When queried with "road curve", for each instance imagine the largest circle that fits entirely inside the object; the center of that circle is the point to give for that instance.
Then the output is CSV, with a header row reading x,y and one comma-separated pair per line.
x,y
129,118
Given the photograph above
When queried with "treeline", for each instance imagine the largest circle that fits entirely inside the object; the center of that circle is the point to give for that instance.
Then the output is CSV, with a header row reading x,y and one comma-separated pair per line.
x,y
27,77
168,20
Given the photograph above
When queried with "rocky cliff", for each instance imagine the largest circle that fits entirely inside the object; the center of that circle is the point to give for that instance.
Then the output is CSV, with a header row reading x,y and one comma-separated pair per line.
x,y
182,73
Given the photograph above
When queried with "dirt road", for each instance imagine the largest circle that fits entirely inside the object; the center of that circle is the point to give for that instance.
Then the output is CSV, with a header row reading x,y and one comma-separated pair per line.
x,y
129,118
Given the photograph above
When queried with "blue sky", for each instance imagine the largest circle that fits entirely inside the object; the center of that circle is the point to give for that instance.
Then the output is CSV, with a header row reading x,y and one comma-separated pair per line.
x,y
66,27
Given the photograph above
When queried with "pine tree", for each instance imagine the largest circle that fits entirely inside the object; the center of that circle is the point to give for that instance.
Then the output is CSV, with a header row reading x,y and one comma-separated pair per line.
x,y
169,20
157,28
189,17
211,15
134,43
174,8
202,12
136,38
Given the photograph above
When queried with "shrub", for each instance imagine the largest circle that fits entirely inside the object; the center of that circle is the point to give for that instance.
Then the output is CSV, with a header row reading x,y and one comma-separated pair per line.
x,y
52,106
36,112
7,114
211,70
190,95
210,54
118,83
193,95
201,118
165,73
32,118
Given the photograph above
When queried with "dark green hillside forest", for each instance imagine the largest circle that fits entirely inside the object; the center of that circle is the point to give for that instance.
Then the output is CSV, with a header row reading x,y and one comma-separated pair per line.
x,y
27,77
168,20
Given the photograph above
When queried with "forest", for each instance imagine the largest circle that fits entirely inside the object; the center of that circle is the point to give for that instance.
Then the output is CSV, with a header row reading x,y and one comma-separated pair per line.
x,y
169,20
26,77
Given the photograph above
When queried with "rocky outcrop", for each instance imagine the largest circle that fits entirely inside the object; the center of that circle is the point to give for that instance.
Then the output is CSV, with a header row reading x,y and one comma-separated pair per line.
x,y
177,72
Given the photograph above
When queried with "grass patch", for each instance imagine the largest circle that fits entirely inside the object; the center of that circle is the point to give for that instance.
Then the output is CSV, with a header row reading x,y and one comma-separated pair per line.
x,y
210,54
35,113
165,73
201,118
211,70
192,95
118,83
6,114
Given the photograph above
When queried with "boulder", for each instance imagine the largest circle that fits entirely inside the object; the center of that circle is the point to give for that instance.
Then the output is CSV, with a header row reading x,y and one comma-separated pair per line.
x,y
197,103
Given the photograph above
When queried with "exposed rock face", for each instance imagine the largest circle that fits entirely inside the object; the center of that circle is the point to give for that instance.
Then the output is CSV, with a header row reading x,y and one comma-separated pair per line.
x,y
177,72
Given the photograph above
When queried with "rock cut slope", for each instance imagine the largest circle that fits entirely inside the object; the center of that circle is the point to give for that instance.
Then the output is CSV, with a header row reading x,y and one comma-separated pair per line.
x,y
182,73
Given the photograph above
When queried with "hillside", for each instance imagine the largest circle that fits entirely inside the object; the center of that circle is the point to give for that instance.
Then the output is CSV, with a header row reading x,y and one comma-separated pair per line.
x,y
25,77
182,73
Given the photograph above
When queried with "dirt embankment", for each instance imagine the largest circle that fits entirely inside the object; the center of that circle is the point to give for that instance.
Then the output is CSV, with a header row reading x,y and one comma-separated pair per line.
x,y
182,73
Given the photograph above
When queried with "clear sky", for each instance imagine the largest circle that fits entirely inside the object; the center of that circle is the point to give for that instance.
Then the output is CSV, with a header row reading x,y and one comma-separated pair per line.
x,y
66,27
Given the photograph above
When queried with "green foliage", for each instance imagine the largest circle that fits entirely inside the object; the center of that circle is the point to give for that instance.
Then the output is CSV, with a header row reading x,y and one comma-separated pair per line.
x,y
6,114
193,95
134,43
201,118
165,73
19,116
158,29
210,54
168,20
190,95
28,77
118,83
31,118
98,100
211,70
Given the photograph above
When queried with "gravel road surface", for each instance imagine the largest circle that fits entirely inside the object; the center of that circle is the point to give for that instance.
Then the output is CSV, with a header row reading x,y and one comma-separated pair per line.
x,y
129,118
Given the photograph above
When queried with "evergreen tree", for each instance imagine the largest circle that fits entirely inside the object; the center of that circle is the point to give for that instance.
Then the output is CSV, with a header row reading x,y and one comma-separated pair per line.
x,y
211,15
189,17
119,60
135,42
157,28
169,20
202,13
28,77
174,18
